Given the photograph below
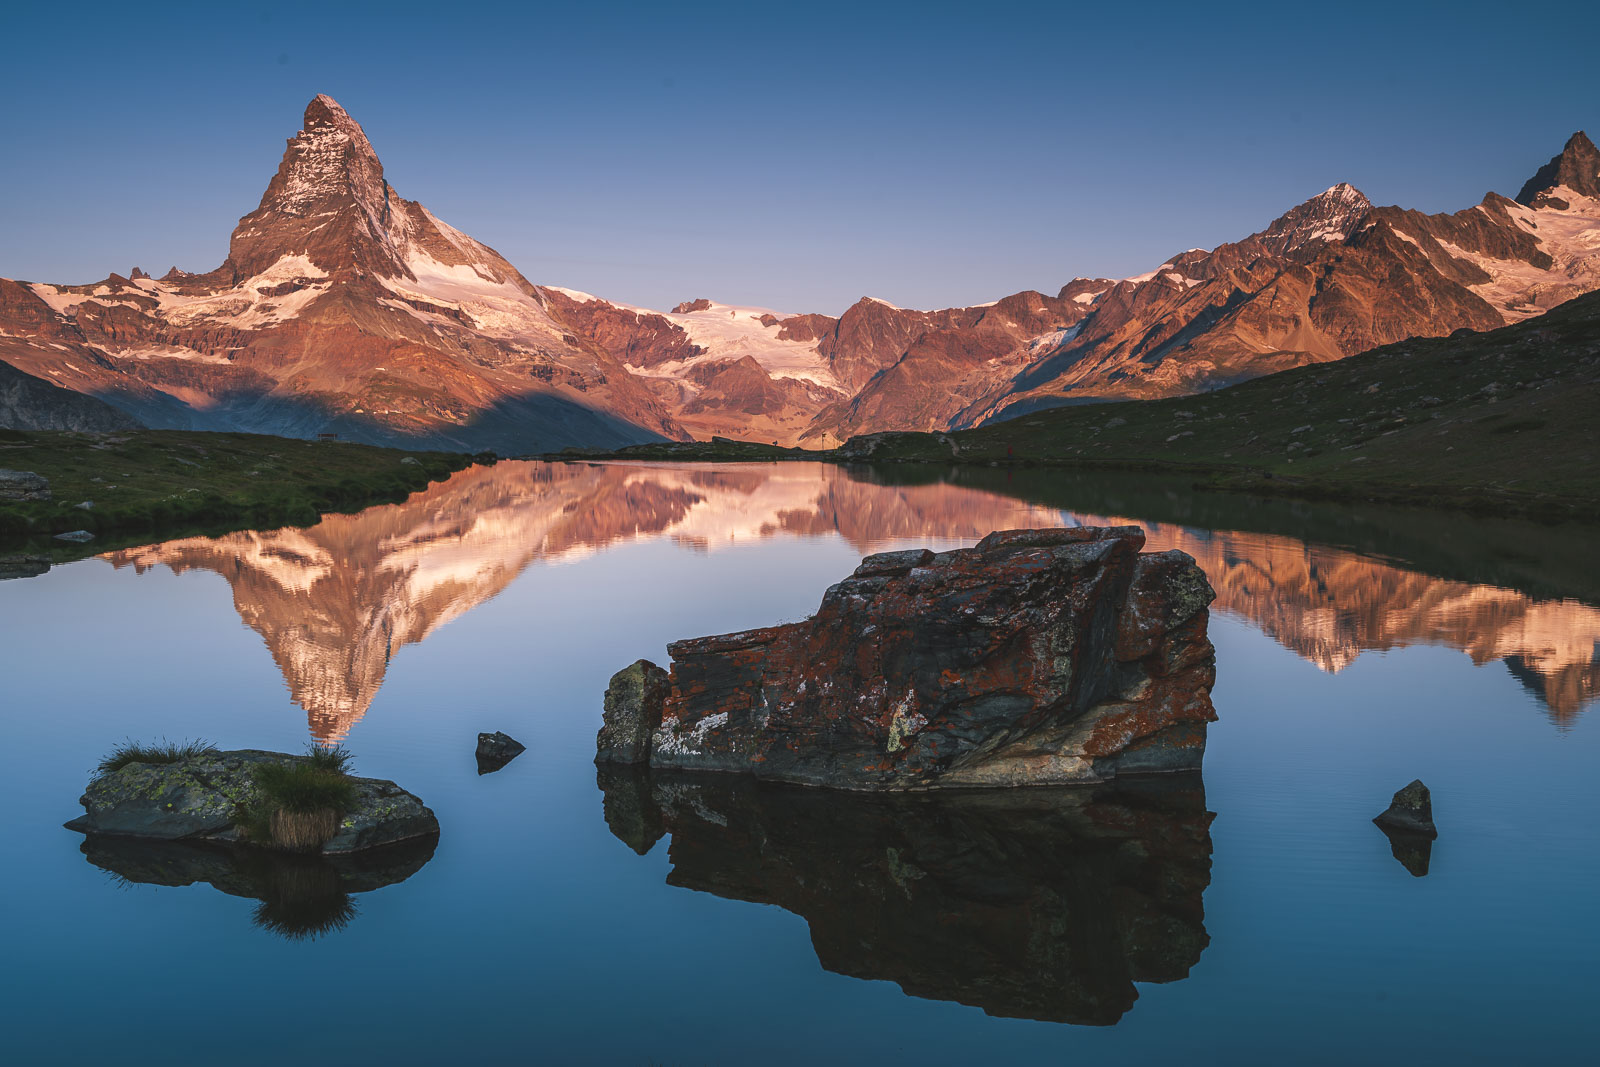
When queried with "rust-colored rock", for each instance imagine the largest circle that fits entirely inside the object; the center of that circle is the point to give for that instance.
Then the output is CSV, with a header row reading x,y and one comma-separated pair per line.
x,y
1037,657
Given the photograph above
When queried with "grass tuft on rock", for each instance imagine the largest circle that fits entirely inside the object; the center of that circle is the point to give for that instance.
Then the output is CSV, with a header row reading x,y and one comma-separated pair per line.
x,y
304,787
334,759
300,802
164,752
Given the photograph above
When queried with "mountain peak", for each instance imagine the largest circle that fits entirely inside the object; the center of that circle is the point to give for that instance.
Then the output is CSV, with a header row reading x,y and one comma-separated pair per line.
x,y
1331,215
329,198
1577,168
1342,193
329,158
325,110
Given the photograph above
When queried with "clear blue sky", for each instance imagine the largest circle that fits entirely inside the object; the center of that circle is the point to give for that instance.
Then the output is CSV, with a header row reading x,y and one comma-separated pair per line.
x,y
794,157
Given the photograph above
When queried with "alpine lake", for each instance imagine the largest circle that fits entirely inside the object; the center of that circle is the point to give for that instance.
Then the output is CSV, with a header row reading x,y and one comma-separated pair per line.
x,y
1250,914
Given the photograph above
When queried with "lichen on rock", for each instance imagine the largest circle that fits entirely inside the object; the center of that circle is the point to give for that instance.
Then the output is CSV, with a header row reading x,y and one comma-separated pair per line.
x,y
205,798
1037,657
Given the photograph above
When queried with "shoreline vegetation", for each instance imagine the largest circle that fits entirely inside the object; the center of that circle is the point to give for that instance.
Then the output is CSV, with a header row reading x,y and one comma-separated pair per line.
x,y
144,484
1502,422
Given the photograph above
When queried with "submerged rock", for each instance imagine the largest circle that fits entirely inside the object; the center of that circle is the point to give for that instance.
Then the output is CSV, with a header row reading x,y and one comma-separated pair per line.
x,y
77,537
203,797
1038,657
496,750
1040,903
1411,811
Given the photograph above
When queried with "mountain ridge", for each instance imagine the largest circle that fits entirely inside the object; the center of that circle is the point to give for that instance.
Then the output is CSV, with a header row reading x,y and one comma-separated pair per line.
x,y
342,307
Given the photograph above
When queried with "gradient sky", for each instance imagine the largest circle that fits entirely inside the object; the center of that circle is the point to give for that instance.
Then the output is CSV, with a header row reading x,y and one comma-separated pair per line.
x,y
794,157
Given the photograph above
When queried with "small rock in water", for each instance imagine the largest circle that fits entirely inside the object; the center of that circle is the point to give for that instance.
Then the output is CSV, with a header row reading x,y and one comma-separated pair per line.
x,y
496,750
1411,811
76,536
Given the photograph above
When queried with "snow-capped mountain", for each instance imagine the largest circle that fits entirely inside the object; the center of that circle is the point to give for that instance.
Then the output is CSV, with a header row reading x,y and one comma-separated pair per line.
x,y
341,307
1331,277
344,308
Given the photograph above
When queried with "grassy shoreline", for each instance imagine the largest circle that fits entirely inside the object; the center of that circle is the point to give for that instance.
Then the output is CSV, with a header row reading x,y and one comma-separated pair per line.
x,y
159,484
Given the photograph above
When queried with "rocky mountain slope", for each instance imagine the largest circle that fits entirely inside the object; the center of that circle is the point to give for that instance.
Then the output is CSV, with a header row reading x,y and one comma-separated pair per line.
x,y
344,308
1332,277
341,308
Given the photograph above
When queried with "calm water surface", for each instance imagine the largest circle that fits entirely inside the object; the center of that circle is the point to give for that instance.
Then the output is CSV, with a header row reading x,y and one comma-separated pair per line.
x,y
1254,916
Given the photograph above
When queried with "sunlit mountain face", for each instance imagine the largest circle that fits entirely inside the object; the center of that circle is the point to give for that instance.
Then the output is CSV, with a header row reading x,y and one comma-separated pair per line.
x,y
336,601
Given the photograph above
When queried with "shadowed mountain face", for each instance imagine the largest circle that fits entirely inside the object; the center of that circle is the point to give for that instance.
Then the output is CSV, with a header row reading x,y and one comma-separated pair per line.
x,y
1028,903
334,602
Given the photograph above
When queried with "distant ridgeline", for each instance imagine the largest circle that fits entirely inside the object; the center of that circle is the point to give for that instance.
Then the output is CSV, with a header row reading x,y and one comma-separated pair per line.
x,y
344,308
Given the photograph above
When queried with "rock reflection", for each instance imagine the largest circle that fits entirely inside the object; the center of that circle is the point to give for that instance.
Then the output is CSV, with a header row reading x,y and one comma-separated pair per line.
x,y
299,897
1043,904
1411,849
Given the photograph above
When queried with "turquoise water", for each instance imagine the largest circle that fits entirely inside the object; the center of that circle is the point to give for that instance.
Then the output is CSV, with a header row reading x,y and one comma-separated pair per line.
x,y
1256,916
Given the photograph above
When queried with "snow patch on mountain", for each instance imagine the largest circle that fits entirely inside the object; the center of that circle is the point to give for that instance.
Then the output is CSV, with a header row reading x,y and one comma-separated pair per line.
x,y
1519,290
1047,342
577,294
158,351
497,308
250,305
728,332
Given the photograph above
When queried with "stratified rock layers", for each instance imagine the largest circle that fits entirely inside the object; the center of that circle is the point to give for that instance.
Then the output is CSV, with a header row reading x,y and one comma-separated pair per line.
x,y
1039,657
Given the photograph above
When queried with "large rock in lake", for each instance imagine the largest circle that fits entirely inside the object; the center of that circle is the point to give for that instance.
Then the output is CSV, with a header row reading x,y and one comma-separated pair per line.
x,y
202,798
1037,657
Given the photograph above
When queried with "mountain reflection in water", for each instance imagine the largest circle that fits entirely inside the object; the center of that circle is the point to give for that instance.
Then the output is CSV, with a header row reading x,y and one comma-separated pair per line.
x,y
335,601
1028,903
1329,606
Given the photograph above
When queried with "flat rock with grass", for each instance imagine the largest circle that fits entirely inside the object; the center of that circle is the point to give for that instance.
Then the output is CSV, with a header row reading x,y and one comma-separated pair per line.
x,y
203,794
